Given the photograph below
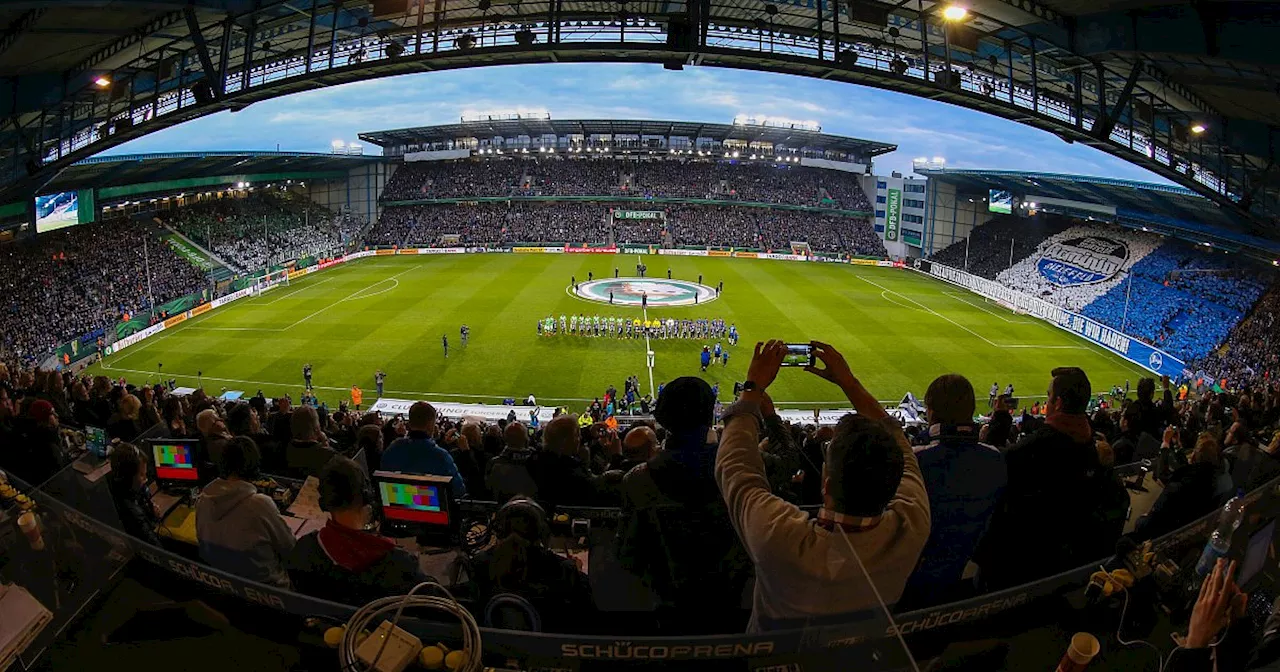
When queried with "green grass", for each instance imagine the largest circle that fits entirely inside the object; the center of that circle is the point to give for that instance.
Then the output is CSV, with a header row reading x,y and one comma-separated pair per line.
x,y
897,329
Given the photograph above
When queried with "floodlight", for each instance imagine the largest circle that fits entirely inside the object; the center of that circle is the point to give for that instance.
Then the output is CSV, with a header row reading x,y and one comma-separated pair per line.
x,y
954,13
102,81
1198,128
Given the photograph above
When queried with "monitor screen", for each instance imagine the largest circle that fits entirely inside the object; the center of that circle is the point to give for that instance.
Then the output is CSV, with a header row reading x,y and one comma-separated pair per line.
x,y
175,461
1255,556
95,441
406,500
1001,201
56,211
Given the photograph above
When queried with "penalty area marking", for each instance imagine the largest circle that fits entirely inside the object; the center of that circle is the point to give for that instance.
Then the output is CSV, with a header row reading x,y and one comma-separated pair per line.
x,y
962,299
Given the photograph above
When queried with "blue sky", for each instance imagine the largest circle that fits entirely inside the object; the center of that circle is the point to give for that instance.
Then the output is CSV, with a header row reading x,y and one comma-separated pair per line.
x,y
310,121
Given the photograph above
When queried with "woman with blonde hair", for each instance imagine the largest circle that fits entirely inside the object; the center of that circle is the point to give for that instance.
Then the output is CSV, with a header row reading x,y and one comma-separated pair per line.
x,y
1189,492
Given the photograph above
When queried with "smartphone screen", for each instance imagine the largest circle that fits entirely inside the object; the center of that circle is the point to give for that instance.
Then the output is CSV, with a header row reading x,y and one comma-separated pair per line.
x,y
798,354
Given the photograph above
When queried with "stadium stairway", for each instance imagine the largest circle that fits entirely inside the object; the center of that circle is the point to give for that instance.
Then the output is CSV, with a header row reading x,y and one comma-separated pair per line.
x,y
199,257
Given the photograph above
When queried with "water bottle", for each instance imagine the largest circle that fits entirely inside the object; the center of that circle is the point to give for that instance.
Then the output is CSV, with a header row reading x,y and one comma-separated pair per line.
x,y
1220,542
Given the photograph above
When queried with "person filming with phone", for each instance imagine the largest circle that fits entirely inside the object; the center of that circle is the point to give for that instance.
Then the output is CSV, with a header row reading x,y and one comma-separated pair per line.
x,y
874,515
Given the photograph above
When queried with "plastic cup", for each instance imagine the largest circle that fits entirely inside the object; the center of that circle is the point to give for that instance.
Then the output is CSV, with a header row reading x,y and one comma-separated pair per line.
x,y
1082,649
30,526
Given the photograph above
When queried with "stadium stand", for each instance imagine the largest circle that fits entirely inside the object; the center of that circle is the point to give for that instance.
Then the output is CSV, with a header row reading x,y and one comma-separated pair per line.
x,y
82,280
578,223
726,181
263,228
1176,296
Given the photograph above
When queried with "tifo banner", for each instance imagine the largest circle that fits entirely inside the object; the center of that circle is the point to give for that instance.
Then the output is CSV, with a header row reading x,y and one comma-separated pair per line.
x,y
191,254
1132,349
591,250
1080,264
892,214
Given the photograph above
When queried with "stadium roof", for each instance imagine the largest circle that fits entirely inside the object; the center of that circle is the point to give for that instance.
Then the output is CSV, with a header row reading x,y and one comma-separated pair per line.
x,y
510,128
131,169
1162,206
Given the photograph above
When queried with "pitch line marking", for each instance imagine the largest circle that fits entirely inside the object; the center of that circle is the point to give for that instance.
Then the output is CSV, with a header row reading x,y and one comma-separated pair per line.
x,y
300,289
348,297
967,329
984,309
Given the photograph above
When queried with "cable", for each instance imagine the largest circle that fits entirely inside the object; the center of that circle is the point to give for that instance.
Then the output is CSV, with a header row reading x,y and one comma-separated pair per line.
x,y
1160,660
471,642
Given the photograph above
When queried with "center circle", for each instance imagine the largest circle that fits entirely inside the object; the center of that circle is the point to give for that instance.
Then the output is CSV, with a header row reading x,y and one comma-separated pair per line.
x,y
631,291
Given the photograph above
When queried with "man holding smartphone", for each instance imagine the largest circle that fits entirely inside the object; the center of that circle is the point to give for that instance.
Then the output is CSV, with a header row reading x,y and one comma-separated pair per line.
x,y
875,511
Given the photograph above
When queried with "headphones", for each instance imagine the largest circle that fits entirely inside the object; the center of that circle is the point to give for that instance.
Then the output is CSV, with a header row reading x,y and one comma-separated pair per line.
x,y
521,507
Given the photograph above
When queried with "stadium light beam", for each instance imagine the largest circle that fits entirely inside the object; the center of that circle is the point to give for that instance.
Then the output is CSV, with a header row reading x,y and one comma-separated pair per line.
x,y
954,13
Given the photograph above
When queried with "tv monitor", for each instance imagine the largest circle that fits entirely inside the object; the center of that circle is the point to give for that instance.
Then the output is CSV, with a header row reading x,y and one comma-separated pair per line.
x,y
175,461
57,211
417,504
1000,201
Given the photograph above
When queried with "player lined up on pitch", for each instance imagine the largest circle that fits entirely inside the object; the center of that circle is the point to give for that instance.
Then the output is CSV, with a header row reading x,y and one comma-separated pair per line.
x,y
622,327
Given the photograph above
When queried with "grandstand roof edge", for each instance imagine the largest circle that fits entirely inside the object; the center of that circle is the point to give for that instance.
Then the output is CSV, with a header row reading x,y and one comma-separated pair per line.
x,y
122,158
1083,179
704,129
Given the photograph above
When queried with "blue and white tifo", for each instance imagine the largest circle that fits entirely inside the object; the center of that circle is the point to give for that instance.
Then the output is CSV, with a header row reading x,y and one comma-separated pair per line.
x,y
632,292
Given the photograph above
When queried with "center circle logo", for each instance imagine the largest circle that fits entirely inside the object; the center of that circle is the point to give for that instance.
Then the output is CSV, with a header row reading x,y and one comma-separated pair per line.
x,y
631,291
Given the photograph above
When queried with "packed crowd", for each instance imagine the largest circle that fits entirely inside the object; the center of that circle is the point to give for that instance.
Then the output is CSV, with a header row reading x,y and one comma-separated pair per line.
x,y
1251,354
719,180
705,504
1170,294
264,228
578,223
79,281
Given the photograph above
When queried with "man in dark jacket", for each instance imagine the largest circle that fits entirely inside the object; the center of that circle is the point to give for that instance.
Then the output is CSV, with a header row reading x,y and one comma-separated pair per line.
x,y
38,455
309,451
964,479
1152,418
1057,511
508,474
1188,493
675,533
561,472
127,485
342,562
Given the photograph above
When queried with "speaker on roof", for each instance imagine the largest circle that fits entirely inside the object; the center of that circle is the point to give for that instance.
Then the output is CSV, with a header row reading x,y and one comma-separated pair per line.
x,y
870,13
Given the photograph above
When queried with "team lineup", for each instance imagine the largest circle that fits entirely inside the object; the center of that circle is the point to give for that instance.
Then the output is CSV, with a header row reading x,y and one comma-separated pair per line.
x,y
621,327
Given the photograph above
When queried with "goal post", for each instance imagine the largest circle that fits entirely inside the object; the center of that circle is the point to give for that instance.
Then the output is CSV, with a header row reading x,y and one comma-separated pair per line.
x,y
271,279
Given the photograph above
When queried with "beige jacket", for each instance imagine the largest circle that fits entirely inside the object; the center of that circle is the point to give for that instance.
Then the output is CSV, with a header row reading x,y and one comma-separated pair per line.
x,y
804,570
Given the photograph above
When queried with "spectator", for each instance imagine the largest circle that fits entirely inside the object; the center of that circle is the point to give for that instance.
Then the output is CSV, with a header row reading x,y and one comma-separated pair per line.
x,y
241,531
369,440
508,473
38,455
964,479
309,450
638,447
674,532
1055,514
520,563
875,505
213,434
124,423
418,453
127,484
1189,492
561,470
342,562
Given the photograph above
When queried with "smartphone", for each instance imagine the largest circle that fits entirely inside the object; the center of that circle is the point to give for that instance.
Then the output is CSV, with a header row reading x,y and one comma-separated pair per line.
x,y
798,354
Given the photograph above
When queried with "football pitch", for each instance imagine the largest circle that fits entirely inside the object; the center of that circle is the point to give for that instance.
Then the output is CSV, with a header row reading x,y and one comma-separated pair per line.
x,y
897,329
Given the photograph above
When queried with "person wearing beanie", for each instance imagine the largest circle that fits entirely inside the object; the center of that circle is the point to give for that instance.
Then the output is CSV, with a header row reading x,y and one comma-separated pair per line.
x,y
674,534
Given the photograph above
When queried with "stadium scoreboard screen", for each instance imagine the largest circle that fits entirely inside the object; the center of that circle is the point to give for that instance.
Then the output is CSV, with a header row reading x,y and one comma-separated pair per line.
x,y
65,208
1000,201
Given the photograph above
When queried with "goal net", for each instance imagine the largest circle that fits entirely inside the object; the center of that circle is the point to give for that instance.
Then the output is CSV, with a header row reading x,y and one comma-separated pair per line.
x,y
270,280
